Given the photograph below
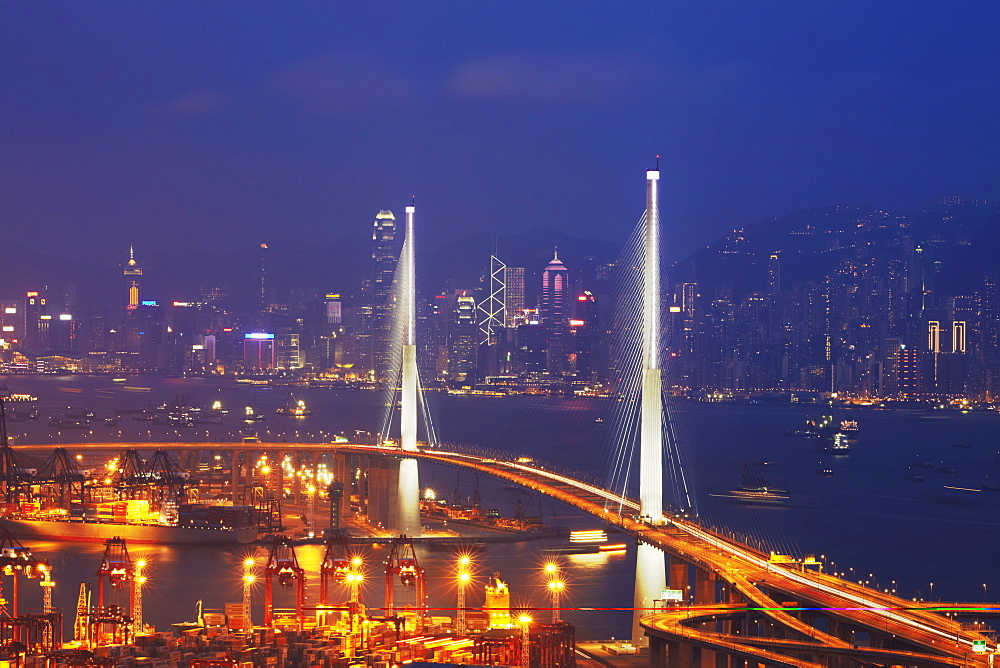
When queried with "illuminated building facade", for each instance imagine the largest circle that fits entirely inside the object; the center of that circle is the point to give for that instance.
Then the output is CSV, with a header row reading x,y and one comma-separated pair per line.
x,y
553,302
259,351
132,275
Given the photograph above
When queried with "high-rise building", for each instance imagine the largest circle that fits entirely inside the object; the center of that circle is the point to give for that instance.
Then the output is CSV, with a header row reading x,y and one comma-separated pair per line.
x,y
386,244
133,281
34,308
258,351
513,296
553,302
132,274
385,256
492,309
463,339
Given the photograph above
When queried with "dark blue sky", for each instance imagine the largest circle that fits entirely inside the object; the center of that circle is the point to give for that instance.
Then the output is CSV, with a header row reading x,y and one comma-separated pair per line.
x,y
219,124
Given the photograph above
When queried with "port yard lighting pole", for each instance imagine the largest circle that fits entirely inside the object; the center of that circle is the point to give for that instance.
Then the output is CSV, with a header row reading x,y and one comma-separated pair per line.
x,y
463,581
525,641
248,579
47,584
556,586
137,583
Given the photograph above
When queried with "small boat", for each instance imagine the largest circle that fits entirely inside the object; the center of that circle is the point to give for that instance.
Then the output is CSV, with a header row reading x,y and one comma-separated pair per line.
x,y
914,476
922,463
249,415
824,470
294,408
960,445
950,470
988,486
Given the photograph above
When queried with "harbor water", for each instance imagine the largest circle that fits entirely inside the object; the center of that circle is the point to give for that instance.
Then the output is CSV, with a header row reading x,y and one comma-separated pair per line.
x,y
865,519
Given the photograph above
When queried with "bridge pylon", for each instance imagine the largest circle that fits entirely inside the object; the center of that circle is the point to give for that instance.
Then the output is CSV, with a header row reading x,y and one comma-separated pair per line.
x,y
408,493
650,565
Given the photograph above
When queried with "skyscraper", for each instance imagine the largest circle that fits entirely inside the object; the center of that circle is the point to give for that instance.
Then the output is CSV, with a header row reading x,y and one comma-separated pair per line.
x,y
492,315
385,256
513,295
463,339
133,281
555,285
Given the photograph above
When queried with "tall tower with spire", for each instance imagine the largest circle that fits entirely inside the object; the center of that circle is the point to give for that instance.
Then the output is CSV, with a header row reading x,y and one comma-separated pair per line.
x,y
133,281
555,285
132,274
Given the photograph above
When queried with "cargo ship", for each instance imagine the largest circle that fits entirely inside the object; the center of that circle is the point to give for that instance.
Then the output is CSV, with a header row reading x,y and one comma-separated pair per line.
x,y
187,524
98,532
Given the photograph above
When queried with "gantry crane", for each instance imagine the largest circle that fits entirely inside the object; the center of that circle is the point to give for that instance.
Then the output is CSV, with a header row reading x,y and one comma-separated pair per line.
x,y
116,571
402,563
165,479
37,632
15,481
282,564
63,471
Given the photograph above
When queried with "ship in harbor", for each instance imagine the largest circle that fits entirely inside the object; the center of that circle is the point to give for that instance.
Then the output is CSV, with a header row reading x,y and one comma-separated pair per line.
x,y
755,490
98,532
294,408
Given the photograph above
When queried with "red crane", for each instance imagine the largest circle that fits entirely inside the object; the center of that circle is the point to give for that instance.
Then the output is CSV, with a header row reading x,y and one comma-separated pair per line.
x,y
117,572
402,563
282,564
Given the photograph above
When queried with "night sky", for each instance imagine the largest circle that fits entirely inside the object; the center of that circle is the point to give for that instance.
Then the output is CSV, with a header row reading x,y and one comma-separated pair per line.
x,y
215,125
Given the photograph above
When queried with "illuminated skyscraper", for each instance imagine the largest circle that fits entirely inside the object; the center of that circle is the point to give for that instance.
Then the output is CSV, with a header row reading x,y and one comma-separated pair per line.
x,y
133,281
492,314
513,296
133,284
385,256
34,308
555,286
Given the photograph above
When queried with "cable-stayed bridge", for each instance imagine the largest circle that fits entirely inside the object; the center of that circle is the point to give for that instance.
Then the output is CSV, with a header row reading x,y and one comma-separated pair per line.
x,y
743,608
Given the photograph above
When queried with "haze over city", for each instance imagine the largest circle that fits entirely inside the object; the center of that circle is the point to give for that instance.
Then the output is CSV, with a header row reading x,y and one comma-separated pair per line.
x,y
191,125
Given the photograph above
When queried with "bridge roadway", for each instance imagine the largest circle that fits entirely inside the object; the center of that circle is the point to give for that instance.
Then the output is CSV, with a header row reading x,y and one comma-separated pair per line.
x,y
918,637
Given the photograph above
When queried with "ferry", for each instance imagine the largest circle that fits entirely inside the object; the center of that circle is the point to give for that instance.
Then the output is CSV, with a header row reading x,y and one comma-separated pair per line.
x,y
249,415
